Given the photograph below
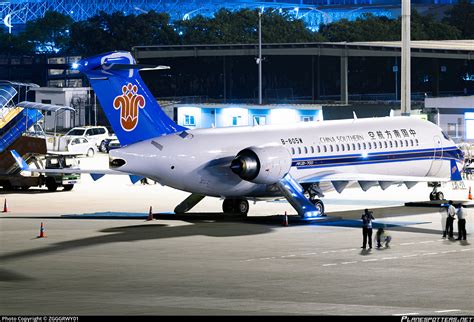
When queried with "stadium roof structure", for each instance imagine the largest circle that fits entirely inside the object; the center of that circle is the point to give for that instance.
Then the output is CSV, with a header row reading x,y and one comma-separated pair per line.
x,y
313,12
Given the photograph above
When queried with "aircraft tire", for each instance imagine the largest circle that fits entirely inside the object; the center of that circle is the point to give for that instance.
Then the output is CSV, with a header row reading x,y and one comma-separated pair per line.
x,y
319,205
228,206
241,207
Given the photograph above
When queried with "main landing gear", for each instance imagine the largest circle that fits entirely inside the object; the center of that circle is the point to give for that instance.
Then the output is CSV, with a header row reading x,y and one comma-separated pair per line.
x,y
312,192
435,194
236,206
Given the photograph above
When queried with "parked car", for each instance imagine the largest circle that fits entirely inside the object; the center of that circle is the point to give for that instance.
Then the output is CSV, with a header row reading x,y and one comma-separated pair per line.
x,y
81,146
94,134
114,144
104,146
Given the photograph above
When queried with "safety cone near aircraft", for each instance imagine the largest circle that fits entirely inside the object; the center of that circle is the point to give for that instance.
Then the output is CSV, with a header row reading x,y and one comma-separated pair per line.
x,y
285,220
5,207
150,215
469,196
41,235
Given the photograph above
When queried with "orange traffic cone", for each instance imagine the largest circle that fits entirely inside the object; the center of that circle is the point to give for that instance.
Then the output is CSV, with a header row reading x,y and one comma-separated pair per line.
x,y
469,196
150,215
285,220
5,207
42,235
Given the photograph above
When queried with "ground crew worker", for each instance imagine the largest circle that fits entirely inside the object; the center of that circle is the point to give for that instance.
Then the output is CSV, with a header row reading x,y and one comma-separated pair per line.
x,y
382,237
450,220
461,223
367,219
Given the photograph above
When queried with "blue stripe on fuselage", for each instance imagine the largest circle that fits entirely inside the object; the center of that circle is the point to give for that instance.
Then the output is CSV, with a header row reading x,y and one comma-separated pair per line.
x,y
450,153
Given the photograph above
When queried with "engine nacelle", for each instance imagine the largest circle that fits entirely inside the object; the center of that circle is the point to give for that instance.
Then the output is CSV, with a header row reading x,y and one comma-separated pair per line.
x,y
265,165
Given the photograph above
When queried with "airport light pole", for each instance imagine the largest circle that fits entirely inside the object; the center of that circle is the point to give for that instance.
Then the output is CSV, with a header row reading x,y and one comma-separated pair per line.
x,y
406,57
259,59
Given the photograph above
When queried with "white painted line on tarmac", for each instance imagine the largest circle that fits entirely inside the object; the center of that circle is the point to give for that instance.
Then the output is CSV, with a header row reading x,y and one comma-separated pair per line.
x,y
407,244
431,253
465,250
325,252
446,311
426,242
406,256
329,264
370,260
390,258
412,313
450,251
345,263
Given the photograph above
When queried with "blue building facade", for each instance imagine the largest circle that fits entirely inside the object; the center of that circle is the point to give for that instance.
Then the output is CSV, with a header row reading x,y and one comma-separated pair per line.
x,y
313,12
228,115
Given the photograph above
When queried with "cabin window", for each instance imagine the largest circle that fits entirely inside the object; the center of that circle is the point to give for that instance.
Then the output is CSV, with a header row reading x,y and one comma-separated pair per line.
x,y
364,145
406,143
299,150
348,147
312,149
319,149
380,144
353,146
331,148
342,147
358,146
385,144
292,150
411,142
325,149
396,144
305,150
417,142
391,144
337,147
401,143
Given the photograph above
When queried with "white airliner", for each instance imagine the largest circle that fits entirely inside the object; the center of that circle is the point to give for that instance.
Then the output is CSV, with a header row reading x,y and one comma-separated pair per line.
x,y
297,162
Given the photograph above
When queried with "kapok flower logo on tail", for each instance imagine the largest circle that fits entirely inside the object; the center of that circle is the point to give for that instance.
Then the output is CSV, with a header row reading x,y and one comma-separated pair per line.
x,y
129,103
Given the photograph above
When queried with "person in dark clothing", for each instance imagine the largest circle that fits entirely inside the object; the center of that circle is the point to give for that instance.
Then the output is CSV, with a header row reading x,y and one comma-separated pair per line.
x,y
367,219
461,223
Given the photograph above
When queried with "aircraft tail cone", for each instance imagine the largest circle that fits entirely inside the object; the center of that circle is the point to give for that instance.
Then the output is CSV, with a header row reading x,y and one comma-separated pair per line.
x,y
469,196
285,220
150,215
5,206
41,235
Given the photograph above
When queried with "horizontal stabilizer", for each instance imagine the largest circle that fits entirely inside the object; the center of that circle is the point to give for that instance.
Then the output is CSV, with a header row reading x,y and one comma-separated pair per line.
x,y
133,66
93,172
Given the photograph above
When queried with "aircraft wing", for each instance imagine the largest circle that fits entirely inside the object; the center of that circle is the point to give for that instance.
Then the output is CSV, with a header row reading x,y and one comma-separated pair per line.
x,y
365,180
96,174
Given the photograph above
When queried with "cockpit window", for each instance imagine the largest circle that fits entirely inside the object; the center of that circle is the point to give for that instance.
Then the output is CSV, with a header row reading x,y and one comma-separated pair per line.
x,y
446,136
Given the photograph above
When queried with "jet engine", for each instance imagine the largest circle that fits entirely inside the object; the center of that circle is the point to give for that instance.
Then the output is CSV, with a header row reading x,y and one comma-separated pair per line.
x,y
265,165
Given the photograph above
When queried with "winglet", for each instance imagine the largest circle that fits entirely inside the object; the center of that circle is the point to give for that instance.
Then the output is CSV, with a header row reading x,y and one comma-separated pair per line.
x,y
135,178
455,174
96,176
19,160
